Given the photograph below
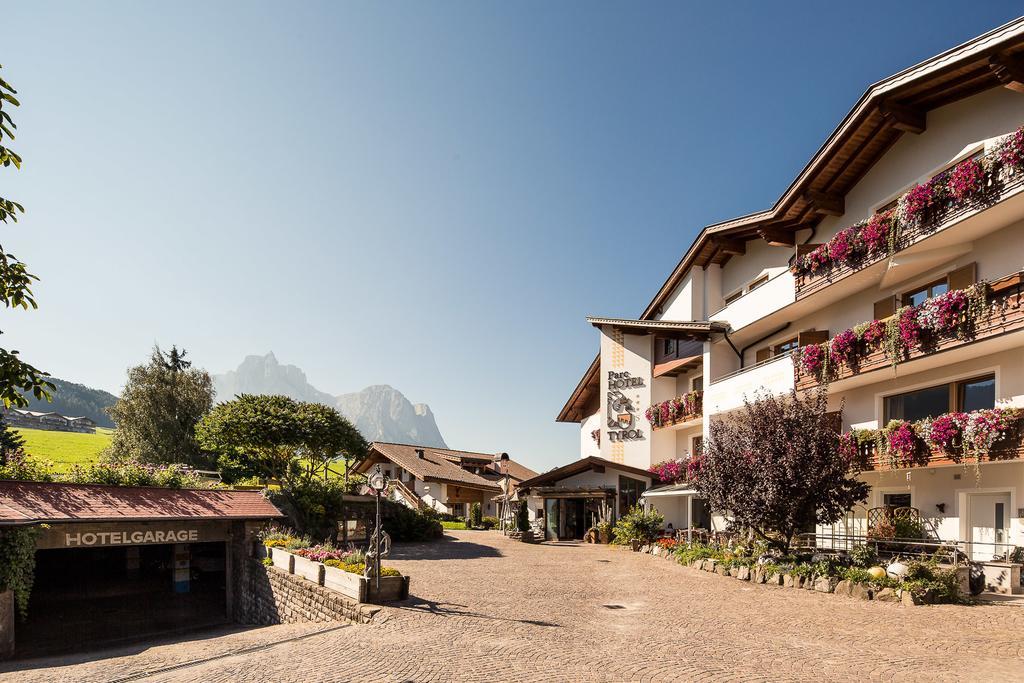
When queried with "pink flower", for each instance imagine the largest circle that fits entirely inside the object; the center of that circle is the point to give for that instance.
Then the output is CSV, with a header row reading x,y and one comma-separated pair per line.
x,y
903,444
916,201
946,429
909,329
1011,150
875,233
843,348
873,334
966,179
812,359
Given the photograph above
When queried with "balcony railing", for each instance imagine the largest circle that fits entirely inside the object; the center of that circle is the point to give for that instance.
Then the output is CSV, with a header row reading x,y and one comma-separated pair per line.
x,y
1003,312
773,376
999,180
680,409
1009,447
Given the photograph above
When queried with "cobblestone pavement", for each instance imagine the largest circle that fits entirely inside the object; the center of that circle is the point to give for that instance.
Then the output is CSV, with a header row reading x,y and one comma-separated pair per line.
x,y
487,609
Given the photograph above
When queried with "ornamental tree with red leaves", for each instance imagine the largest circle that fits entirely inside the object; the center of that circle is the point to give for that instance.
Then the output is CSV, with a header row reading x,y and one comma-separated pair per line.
x,y
776,468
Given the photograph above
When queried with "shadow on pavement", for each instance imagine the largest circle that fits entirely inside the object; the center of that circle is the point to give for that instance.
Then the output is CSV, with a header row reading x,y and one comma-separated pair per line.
x,y
446,548
451,609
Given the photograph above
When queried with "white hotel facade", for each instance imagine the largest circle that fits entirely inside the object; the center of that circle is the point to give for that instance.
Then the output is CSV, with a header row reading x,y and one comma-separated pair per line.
x,y
730,320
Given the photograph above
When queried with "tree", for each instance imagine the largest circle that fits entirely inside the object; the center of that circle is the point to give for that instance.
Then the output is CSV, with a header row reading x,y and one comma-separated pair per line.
x,y
159,408
11,442
276,437
777,468
16,376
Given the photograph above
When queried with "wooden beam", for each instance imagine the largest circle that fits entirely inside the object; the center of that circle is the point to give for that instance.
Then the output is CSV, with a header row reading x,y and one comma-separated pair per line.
x,y
826,203
904,118
777,238
735,247
1009,71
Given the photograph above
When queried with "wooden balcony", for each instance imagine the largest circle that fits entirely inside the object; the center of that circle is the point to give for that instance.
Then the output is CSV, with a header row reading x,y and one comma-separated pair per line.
x,y
1010,447
939,220
695,411
1005,314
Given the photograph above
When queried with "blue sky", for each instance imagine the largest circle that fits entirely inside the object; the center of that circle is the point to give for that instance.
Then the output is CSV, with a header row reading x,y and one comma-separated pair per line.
x,y
427,195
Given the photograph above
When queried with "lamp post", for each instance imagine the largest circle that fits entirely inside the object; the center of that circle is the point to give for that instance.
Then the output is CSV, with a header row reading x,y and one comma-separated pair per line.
x,y
377,482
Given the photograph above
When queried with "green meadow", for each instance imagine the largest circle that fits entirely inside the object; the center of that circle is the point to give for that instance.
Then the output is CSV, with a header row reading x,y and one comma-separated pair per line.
x,y
65,449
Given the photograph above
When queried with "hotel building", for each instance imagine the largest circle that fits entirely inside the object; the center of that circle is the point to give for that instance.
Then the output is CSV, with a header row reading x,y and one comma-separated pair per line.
x,y
925,158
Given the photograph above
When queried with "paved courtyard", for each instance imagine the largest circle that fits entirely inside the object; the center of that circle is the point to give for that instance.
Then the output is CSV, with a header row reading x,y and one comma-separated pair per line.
x,y
488,609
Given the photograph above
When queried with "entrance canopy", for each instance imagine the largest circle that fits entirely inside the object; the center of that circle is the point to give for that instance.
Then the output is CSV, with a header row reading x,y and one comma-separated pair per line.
x,y
670,490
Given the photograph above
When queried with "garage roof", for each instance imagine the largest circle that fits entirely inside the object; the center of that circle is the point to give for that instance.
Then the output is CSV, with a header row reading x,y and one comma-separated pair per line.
x,y
29,502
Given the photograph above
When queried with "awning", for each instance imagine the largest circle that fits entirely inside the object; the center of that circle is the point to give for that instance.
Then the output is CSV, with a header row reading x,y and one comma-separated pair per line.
x,y
670,490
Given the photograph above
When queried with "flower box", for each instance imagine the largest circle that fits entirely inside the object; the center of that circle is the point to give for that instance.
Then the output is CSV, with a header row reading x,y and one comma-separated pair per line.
x,y
308,569
361,589
283,559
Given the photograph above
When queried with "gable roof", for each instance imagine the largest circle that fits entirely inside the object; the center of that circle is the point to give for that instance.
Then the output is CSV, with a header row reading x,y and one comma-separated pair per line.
x,y
888,109
437,464
581,465
28,502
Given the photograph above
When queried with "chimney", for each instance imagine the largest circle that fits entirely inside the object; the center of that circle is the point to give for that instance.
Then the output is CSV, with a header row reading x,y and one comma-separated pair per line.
x,y
419,453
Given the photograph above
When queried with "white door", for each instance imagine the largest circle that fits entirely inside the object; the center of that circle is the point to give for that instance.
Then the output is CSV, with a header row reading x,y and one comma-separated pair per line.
x,y
990,525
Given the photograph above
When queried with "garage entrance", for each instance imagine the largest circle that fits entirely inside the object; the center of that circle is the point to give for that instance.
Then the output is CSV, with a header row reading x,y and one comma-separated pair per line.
x,y
85,597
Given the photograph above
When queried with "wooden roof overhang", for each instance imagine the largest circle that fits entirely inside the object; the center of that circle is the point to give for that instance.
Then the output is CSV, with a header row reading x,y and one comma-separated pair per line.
x,y
573,491
887,110
699,330
676,367
585,398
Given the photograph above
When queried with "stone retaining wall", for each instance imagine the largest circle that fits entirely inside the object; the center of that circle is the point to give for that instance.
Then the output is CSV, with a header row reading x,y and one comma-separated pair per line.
x,y
272,596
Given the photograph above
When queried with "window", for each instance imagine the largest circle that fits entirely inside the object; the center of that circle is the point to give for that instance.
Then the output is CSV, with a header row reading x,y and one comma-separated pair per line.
x,y
697,383
966,395
785,347
757,283
668,347
918,296
629,493
896,500
732,297
698,444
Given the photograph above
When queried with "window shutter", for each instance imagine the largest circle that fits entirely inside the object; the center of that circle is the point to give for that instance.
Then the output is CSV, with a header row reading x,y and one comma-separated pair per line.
x,y
763,354
802,249
885,308
962,278
812,337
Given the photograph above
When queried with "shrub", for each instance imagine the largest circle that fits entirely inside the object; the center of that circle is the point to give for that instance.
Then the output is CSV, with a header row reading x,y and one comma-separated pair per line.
x,y
359,568
456,526
406,525
489,522
523,517
863,556
135,473
638,525
475,515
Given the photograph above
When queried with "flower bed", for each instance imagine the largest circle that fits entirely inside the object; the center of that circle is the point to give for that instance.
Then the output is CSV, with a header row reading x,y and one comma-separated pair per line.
x,y
954,314
854,575
972,182
335,568
678,409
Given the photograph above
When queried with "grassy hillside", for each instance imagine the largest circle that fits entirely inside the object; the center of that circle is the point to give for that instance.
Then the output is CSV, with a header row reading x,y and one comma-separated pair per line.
x,y
65,449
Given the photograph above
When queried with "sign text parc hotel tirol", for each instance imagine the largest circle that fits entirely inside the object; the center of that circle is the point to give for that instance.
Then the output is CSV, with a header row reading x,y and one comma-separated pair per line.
x,y
91,538
621,411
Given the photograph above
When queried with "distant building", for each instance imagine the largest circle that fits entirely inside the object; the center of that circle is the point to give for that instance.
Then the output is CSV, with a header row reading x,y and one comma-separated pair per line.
x,y
446,480
32,419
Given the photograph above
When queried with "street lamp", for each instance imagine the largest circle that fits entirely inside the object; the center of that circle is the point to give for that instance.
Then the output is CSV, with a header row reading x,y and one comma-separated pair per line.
x,y
377,482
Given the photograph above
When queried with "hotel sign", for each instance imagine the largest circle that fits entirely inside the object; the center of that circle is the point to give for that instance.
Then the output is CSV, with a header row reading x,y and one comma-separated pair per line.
x,y
621,412
108,534
81,539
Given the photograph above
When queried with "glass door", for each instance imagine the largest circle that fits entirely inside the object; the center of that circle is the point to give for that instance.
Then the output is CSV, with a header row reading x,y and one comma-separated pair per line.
x,y
551,519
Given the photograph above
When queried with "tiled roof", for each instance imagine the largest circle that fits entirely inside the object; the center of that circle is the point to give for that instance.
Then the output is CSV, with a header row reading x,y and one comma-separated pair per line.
x,y
439,464
30,501
578,466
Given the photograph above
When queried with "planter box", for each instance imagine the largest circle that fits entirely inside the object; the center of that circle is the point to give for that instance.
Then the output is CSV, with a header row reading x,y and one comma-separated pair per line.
x,y
283,559
308,569
365,590
1002,577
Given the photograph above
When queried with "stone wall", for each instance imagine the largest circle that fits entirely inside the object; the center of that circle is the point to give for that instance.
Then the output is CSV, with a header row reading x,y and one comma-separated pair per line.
x,y
6,624
271,596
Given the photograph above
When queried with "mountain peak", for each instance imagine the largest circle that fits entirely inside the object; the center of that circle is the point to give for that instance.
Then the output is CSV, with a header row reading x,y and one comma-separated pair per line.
x,y
380,412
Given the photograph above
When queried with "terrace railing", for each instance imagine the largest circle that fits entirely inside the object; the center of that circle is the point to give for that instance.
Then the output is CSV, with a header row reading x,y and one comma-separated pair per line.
x,y
690,407
1004,313
997,189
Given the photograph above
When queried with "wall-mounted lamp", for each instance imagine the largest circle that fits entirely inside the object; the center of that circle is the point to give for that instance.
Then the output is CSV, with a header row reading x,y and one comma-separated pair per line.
x,y
941,507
